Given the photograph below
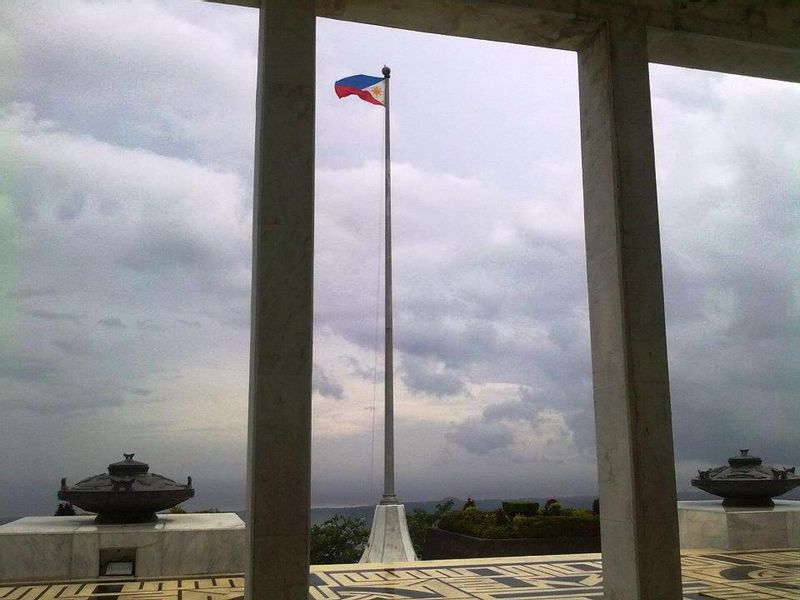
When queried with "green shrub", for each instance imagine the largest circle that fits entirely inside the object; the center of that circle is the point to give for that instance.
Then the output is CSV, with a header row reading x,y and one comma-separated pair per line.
x,y
552,508
520,507
579,523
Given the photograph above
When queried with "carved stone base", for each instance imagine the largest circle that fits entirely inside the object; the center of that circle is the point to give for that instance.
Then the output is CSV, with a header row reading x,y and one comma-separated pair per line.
x,y
389,540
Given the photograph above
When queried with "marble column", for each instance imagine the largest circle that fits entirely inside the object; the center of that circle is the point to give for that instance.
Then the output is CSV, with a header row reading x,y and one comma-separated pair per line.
x,y
626,308
279,437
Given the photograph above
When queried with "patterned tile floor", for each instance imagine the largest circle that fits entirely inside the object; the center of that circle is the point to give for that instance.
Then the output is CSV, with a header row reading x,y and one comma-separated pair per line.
x,y
751,575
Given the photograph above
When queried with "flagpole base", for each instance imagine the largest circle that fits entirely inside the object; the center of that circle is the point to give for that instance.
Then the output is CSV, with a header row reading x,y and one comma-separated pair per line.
x,y
389,540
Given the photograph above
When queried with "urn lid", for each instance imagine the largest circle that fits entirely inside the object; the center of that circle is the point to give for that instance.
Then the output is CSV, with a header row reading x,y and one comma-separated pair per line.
x,y
744,459
128,467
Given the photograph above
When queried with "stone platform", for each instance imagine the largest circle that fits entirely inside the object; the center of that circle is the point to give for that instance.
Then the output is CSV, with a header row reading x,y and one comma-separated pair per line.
x,y
53,548
707,524
766,575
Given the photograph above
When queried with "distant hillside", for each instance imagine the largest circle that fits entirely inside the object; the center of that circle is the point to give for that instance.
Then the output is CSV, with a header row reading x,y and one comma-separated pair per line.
x,y
321,514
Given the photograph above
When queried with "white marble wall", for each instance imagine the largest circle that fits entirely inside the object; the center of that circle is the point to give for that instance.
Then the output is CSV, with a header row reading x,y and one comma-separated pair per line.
x,y
709,525
42,548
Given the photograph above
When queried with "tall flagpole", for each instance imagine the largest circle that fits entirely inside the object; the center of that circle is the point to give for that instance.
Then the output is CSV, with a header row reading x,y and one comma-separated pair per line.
x,y
388,458
389,540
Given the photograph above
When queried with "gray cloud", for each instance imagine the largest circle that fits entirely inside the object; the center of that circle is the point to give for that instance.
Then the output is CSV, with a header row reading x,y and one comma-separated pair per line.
x,y
26,293
140,391
64,403
479,437
163,251
325,385
729,229
55,316
365,372
190,323
511,409
74,346
111,322
25,368
420,375
146,215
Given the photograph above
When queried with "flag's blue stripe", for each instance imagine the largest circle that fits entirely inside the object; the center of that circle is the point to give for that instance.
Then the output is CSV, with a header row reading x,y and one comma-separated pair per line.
x,y
359,81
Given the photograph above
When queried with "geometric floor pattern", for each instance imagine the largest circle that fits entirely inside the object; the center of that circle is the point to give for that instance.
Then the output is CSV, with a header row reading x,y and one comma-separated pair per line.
x,y
749,575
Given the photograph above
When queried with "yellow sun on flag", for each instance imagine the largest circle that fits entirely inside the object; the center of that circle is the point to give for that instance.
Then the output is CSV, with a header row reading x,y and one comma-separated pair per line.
x,y
377,91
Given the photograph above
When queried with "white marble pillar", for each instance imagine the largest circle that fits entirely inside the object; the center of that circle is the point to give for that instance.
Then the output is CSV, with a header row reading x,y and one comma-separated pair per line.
x,y
629,356
279,440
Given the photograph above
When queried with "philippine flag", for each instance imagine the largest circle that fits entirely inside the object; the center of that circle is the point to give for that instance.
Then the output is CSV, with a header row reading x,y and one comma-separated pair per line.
x,y
370,89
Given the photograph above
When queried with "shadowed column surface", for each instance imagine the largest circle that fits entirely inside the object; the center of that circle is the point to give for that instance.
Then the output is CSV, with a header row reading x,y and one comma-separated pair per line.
x,y
279,441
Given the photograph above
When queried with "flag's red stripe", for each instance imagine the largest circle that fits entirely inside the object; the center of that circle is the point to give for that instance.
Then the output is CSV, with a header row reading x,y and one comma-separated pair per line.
x,y
347,90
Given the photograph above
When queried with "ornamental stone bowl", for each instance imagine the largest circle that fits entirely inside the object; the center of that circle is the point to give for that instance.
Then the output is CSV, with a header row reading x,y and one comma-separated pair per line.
x,y
746,482
128,493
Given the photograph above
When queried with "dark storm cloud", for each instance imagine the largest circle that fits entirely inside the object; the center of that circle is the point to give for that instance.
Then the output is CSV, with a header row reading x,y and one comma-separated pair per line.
x,y
432,336
421,376
528,301
729,231
325,385
479,437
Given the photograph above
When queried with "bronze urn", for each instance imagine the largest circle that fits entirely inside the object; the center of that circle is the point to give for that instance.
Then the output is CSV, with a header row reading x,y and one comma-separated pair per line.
x,y
128,493
746,481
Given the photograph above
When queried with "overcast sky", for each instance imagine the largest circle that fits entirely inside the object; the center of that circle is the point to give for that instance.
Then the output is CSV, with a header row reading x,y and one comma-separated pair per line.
x,y
126,148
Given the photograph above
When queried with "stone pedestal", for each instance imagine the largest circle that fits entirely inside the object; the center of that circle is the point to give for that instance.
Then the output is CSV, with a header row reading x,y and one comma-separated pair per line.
x,y
389,540
708,524
61,548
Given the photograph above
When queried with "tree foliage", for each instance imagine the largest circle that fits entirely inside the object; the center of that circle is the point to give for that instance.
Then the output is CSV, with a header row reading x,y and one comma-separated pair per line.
x,y
338,540
420,522
65,509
